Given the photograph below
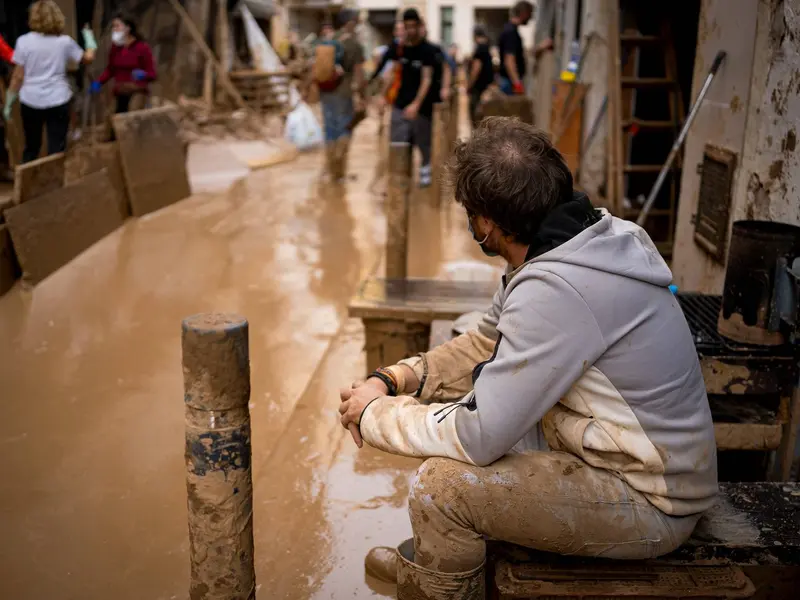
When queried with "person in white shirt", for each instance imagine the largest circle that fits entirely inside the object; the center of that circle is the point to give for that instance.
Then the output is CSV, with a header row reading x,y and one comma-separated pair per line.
x,y
42,58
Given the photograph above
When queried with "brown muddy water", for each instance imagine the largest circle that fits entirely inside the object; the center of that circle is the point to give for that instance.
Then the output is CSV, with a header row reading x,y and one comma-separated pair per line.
x,y
92,493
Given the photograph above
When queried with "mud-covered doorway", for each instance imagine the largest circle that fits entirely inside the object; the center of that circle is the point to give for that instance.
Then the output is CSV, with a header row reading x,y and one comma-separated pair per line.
x,y
653,114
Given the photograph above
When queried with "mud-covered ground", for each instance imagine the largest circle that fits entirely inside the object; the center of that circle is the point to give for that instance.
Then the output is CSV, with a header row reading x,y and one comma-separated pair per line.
x,y
92,492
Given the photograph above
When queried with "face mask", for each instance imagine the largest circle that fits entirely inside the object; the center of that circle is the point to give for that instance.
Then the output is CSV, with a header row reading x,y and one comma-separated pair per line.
x,y
118,38
480,242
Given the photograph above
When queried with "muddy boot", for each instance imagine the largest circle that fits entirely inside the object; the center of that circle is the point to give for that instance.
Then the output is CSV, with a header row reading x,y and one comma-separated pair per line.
x,y
381,563
342,150
330,161
418,583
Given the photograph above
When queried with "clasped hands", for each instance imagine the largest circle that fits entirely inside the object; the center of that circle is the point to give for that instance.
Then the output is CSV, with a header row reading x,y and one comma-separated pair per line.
x,y
354,400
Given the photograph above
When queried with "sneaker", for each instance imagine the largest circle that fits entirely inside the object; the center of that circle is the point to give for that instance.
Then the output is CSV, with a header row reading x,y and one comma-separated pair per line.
x,y
425,177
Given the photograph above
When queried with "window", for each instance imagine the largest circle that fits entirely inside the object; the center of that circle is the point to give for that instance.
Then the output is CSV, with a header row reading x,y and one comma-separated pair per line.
x,y
446,25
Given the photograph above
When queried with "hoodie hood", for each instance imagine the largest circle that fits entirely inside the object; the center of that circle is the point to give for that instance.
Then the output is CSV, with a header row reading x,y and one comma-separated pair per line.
x,y
576,233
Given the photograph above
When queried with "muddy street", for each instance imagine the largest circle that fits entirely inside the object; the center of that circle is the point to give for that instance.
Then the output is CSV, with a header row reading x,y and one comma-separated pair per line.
x,y
94,500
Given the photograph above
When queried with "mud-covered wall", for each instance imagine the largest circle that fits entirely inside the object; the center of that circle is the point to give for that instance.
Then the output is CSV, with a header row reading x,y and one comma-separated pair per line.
x,y
752,110
595,74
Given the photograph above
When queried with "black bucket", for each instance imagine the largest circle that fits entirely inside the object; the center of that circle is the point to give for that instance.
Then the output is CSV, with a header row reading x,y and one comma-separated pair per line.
x,y
755,249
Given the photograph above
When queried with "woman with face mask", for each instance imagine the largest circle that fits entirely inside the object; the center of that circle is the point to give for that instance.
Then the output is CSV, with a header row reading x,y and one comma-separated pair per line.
x,y
41,60
130,65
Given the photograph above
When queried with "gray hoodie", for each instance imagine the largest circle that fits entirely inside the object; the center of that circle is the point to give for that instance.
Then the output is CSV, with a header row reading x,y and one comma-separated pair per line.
x,y
584,350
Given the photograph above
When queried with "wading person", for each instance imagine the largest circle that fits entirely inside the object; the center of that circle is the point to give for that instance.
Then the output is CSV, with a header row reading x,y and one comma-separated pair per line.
x,y
342,98
481,72
130,65
42,58
512,51
574,420
411,92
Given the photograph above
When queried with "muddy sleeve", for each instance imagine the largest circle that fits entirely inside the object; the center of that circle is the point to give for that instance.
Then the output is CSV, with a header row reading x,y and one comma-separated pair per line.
x,y
547,339
445,373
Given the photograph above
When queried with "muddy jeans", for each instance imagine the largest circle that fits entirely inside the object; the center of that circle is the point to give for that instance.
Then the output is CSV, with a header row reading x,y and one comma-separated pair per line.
x,y
549,501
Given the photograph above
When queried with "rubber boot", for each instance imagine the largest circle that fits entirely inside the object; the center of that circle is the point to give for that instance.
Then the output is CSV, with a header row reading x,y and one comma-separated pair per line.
x,y
342,151
381,563
330,160
418,583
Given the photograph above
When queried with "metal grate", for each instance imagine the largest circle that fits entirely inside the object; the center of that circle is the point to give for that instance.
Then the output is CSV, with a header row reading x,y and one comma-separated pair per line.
x,y
714,203
701,312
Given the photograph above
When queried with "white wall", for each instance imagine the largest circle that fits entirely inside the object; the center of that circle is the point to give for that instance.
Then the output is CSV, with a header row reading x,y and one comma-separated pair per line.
x,y
727,117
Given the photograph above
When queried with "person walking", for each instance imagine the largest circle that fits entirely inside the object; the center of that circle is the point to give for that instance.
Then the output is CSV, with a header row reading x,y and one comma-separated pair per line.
x,y
411,92
345,99
481,72
130,65
512,51
42,58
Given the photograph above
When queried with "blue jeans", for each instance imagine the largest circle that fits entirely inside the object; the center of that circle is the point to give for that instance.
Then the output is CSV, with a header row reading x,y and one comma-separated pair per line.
x,y
505,86
337,113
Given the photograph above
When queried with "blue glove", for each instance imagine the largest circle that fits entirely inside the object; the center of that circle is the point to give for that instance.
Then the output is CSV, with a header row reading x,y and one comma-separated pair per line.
x,y
95,87
138,75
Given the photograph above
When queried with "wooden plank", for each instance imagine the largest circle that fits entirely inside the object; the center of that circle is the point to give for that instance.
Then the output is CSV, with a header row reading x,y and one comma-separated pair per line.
x,y
85,160
52,229
222,75
748,436
38,177
567,138
397,210
153,158
419,300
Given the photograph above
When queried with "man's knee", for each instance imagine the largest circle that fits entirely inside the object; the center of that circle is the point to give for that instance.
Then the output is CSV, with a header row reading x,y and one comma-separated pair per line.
x,y
440,482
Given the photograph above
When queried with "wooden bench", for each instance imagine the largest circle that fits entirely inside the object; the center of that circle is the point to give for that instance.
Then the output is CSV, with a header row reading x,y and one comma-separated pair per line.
x,y
748,545
397,313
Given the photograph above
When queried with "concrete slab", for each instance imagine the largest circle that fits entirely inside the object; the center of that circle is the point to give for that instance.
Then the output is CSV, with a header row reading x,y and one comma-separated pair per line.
x,y
38,177
91,158
51,230
153,158
9,268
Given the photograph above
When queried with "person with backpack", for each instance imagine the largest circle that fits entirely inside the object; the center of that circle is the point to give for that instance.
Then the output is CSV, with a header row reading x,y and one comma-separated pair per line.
x,y
338,72
411,92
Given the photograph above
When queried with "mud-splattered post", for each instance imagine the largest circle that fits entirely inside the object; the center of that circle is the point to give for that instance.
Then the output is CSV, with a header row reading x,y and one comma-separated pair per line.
x,y
216,376
439,147
397,210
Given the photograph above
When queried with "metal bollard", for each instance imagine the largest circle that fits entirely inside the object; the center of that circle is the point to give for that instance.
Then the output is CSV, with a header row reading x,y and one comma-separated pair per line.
x,y
397,208
216,376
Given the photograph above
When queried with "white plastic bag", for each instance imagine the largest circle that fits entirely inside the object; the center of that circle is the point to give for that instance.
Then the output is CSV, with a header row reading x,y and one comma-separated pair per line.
x,y
302,128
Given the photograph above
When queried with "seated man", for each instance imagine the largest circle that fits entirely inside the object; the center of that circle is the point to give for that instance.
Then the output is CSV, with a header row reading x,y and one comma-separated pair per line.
x,y
575,419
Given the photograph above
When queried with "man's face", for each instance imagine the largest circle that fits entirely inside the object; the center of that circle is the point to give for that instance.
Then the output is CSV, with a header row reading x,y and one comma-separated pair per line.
x,y
412,31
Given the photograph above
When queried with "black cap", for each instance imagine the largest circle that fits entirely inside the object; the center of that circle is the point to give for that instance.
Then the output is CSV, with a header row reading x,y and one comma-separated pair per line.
x,y
411,14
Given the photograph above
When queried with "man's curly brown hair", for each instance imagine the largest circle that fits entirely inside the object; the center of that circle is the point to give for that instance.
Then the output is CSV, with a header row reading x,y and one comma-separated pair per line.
x,y
509,172
45,17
